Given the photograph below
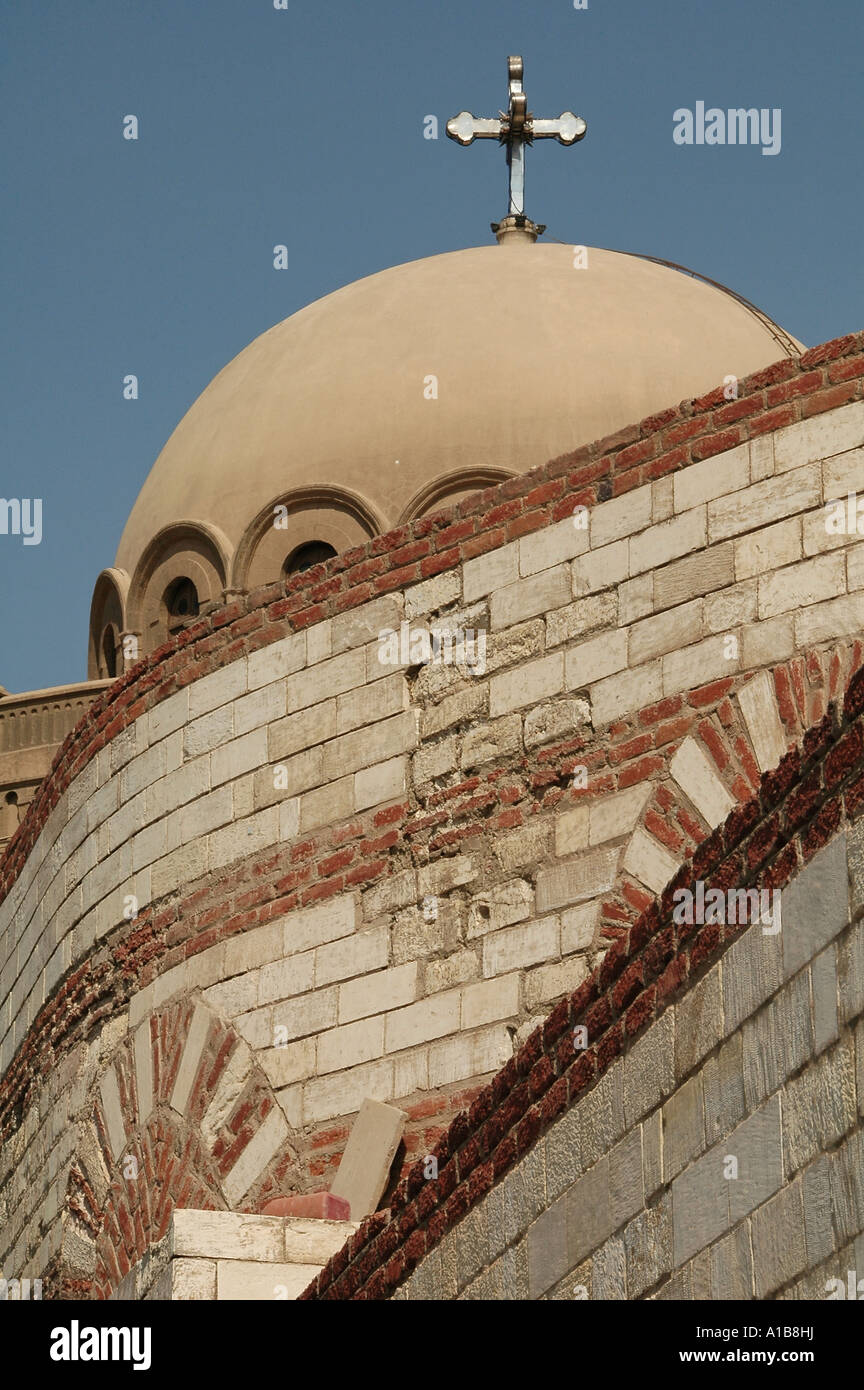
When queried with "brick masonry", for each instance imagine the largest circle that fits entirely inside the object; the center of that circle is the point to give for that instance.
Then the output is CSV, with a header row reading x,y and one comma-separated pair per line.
x,y
604,1172
305,906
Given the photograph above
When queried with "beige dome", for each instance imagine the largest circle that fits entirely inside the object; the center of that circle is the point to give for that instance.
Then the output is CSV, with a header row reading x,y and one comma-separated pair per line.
x,y
398,395
532,358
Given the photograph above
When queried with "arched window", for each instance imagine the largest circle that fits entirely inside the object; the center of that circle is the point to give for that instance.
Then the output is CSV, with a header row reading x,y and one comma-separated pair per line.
x,y
181,603
305,556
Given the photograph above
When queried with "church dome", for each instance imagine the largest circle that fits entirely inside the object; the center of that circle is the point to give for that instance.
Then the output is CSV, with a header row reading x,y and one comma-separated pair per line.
x,y
408,389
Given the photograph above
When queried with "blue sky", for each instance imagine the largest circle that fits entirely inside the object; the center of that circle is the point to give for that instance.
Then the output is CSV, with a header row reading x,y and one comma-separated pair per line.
x,y
305,127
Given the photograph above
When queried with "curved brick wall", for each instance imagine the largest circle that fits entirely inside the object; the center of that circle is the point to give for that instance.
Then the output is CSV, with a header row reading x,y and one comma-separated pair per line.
x,y
302,907
754,1040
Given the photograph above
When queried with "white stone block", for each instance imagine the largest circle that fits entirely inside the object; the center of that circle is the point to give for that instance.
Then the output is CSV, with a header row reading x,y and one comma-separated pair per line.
x,y
207,813
666,632
621,694
758,703
798,586
577,880
763,503
662,499
276,661
490,1000
262,1147
616,815
529,597
327,805
350,1044
669,541
699,781
522,945
239,1280
527,684
842,474
300,730
208,732
319,642
490,572
621,516
167,716
418,1023
313,926
832,432
263,706
357,626
288,1064
193,1280
636,598
307,1013
469,1055
703,662
353,955
649,861
219,688
600,569
193,1050
713,477
253,948
578,928
313,1241
766,643
327,679
433,594
227,1234
344,1091
282,979
143,1054
551,545
841,617
595,659
571,831
730,608
378,992
244,838
371,703
548,982
444,874
112,1110
364,747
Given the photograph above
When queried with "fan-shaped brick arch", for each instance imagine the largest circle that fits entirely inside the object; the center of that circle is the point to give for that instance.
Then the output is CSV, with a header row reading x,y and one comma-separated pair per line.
x,y
666,776
183,1117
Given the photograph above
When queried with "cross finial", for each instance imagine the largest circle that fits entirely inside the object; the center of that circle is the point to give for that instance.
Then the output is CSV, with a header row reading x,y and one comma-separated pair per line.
x,y
516,127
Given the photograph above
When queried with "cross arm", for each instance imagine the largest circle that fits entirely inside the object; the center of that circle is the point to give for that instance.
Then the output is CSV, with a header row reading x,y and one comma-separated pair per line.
x,y
466,128
567,129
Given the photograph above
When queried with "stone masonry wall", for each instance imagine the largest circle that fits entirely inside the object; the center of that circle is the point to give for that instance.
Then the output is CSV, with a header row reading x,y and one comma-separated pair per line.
x,y
225,1256
687,1124
206,967
633,1194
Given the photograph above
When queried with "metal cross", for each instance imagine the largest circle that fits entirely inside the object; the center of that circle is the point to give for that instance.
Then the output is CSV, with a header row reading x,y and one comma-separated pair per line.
x,y
516,128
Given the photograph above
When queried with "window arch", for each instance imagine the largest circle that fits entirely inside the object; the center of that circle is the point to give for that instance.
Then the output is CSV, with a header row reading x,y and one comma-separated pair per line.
x,y
182,571
306,555
180,602
107,622
318,516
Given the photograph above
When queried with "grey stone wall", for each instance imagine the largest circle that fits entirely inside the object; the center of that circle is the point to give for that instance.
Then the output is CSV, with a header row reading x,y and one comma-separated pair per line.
x,y
723,1156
